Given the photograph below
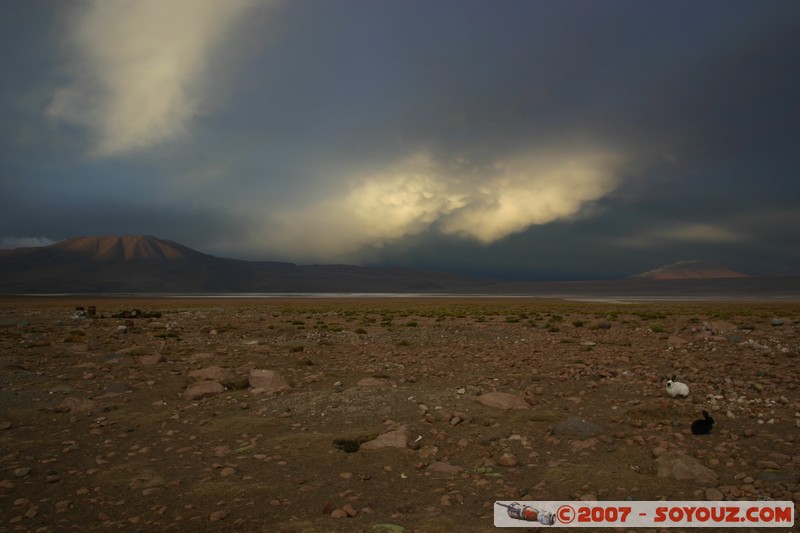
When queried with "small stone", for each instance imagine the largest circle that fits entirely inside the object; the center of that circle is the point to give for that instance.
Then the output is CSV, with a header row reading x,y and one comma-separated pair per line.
x,y
203,389
338,513
350,510
148,360
372,382
393,439
21,472
678,465
444,468
212,373
77,405
508,459
714,495
267,381
503,400
216,516
770,465
62,505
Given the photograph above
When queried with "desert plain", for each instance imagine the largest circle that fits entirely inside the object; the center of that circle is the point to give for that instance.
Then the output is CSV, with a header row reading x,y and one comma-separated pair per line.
x,y
383,414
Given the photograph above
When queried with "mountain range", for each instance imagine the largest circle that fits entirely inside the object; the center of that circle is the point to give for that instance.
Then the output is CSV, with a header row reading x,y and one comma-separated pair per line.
x,y
146,264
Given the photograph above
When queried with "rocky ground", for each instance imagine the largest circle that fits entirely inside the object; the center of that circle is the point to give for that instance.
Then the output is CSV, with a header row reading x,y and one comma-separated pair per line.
x,y
383,415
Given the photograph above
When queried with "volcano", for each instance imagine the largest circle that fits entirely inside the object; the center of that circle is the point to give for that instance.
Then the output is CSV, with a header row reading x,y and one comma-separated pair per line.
x,y
691,269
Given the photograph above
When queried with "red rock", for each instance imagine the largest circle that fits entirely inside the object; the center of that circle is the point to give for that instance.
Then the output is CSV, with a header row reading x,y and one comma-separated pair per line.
x,y
267,380
372,382
211,373
507,459
77,405
350,510
503,400
147,360
203,389
444,468
682,467
393,439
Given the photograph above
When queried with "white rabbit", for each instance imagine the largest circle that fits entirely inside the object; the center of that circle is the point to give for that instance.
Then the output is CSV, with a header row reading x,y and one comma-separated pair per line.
x,y
676,388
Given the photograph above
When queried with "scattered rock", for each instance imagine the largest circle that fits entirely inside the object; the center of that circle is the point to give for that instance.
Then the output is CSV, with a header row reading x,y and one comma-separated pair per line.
x,y
393,439
77,405
508,459
203,389
21,472
350,510
267,381
212,373
444,468
503,400
154,359
678,465
372,382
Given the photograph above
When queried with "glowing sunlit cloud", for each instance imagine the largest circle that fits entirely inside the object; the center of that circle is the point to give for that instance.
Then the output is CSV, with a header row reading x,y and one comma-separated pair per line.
x,y
422,194
534,190
136,77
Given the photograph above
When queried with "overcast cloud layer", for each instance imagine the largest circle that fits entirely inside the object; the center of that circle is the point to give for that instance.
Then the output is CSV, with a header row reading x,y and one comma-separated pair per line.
x,y
528,140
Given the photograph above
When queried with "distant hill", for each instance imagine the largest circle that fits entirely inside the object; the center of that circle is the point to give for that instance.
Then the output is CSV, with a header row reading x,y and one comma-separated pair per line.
x,y
146,264
691,269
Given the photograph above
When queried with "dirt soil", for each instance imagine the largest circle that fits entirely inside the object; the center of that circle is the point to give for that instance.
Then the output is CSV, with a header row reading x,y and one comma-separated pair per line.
x,y
100,430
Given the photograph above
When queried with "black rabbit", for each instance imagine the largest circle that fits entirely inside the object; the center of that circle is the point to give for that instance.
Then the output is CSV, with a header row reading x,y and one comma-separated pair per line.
x,y
703,425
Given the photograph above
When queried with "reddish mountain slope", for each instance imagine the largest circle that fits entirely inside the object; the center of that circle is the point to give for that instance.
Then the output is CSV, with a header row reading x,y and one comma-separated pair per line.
x,y
124,248
145,264
691,270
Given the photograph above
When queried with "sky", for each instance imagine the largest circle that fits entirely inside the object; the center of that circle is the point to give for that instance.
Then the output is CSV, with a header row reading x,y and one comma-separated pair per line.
x,y
525,140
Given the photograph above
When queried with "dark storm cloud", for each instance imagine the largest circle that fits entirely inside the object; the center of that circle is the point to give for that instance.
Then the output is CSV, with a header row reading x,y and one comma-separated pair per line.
x,y
527,139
